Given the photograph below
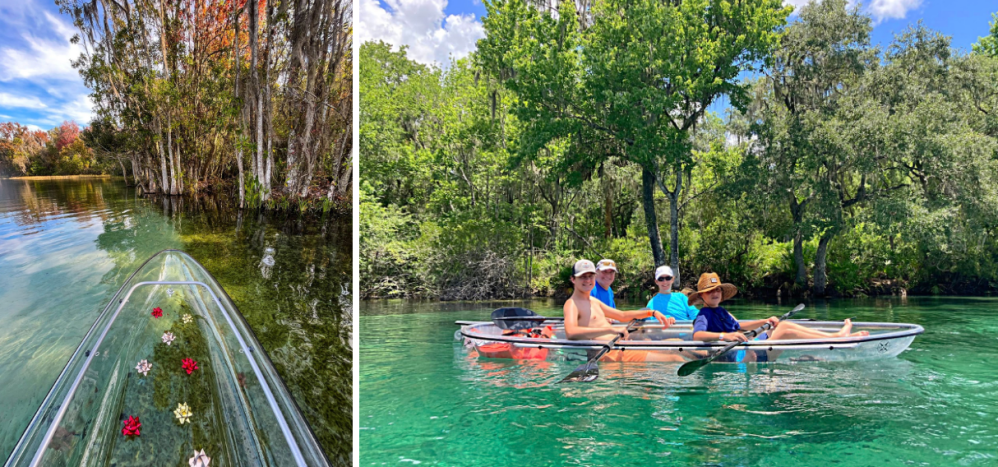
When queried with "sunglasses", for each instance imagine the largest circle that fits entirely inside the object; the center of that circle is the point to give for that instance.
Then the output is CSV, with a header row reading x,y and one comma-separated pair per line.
x,y
664,278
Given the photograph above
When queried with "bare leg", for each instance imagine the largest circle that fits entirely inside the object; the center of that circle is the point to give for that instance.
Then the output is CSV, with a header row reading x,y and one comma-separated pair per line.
x,y
788,330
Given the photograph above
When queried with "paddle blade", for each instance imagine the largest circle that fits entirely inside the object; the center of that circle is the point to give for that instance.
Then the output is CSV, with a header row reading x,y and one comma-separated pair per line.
x,y
514,312
689,368
584,374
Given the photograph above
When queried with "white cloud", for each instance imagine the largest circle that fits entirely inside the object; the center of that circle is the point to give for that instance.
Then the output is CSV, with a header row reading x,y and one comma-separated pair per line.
x,y
879,10
10,100
43,58
79,110
796,3
40,86
891,9
431,35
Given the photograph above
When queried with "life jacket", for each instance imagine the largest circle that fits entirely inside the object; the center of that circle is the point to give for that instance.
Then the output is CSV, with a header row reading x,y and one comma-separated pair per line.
x,y
518,352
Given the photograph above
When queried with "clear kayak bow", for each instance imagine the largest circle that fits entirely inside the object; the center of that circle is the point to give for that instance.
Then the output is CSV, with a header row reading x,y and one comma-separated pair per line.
x,y
169,374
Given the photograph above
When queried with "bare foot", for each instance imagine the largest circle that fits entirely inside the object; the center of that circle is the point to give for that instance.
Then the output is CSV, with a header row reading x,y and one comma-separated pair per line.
x,y
860,334
846,329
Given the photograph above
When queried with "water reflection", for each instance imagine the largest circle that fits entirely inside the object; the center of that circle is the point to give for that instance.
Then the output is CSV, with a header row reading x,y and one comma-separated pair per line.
x,y
67,245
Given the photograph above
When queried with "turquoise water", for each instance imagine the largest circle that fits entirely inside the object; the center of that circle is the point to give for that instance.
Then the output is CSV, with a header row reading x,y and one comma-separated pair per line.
x,y
67,245
423,401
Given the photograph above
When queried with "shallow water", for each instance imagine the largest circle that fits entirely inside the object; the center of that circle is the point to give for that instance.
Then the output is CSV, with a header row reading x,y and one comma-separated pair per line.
x,y
423,401
67,245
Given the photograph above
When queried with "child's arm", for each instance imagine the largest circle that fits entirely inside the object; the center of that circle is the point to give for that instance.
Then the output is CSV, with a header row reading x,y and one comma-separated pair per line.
x,y
636,314
751,325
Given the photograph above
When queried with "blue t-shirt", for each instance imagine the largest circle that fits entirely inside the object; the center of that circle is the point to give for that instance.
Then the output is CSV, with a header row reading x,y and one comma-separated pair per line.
x,y
674,305
715,320
603,295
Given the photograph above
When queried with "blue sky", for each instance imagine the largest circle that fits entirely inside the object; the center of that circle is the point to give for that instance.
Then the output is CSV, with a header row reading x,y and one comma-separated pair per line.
x,y
38,86
963,20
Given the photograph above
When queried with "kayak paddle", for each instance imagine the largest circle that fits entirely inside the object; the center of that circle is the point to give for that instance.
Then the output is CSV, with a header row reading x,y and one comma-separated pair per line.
x,y
589,371
689,367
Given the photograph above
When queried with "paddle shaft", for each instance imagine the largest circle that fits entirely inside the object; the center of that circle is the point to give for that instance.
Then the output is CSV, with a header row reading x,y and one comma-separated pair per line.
x,y
754,333
609,345
690,367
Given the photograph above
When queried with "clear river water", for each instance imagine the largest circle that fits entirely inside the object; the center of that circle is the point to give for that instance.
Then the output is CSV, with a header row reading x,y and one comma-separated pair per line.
x,y
423,401
67,245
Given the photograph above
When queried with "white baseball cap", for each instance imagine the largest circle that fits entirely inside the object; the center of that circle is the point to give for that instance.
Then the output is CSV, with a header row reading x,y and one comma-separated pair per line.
x,y
663,271
583,266
604,264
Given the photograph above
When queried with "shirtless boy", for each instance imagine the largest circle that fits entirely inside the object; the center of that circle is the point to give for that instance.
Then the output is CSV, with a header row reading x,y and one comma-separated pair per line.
x,y
586,318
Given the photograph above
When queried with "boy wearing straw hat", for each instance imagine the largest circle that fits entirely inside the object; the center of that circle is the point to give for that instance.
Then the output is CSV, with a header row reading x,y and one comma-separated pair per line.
x,y
586,318
715,323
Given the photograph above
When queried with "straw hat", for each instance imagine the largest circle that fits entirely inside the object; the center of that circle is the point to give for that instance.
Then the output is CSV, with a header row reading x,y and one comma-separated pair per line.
x,y
710,281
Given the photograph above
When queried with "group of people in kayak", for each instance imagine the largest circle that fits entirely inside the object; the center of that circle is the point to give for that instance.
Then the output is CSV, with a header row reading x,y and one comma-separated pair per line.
x,y
591,307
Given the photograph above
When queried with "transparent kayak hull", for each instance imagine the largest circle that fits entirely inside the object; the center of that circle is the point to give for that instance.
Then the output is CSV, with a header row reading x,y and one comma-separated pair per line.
x,y
138,362
886,340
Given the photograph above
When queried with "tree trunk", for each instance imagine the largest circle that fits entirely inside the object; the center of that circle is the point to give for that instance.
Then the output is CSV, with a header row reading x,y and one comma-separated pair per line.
x,y
800,281
651,220
124,173
172,177
820,265
268,98
239,150
164,185
135,171
607,206
797,211
674,229
256,100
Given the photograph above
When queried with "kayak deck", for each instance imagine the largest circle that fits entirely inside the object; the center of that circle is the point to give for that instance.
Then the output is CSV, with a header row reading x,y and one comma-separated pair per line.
x,y
885,340
169,369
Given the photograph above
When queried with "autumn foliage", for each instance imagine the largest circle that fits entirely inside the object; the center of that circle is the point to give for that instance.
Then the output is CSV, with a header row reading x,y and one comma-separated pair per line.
x,y
59,151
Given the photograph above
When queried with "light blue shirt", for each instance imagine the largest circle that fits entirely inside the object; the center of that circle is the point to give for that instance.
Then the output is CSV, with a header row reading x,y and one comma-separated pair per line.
x,y
674,305
604,295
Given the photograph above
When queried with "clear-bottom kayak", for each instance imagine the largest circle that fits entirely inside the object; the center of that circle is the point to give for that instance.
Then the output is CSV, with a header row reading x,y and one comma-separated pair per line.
x,y
169,374
652,343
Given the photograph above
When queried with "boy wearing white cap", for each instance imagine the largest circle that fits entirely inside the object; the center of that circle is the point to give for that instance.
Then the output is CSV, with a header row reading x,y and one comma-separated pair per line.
x,y
667,302
606,273
586,317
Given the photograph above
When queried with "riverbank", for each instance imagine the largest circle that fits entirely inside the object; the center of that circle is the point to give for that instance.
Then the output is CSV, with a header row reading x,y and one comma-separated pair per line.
x,y
63,177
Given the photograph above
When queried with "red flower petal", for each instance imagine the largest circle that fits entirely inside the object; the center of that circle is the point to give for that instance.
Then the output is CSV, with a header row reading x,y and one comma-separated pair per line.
x,y
132,426
190,365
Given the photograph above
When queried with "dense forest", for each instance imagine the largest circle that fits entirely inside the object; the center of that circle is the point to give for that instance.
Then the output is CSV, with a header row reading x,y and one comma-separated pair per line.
x,y
192,95
834,167
59,151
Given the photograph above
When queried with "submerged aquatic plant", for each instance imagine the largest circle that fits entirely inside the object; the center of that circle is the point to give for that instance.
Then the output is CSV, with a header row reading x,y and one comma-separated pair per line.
x,y
132,426
168,337
183,413
143,367
157,312
187,318
200,459
190,365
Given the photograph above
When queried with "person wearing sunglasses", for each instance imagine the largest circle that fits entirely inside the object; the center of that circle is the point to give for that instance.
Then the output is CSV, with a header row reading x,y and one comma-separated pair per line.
x,y
666,301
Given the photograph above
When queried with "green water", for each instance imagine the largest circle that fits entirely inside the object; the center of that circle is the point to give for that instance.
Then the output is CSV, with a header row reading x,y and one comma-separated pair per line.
x,y
67,245
423,401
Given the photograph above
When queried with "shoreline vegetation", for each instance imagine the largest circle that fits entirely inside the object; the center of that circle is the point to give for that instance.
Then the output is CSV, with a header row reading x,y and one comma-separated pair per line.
x,y
838,168
195,97
60,177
